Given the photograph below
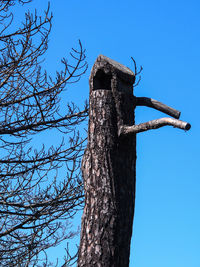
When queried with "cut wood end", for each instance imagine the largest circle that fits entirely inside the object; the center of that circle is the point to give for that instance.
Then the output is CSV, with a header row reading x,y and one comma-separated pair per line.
x,y
187,126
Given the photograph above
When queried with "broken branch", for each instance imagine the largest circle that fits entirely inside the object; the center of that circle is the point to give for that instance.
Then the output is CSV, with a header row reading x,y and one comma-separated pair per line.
x,y
154,124
152,103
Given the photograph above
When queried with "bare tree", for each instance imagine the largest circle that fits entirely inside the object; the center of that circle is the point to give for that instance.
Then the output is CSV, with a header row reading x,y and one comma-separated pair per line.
x,y
109,163
35,202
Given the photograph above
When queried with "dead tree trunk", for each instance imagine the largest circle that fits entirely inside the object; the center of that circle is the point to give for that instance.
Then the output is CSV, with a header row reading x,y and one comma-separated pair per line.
x,y
108,165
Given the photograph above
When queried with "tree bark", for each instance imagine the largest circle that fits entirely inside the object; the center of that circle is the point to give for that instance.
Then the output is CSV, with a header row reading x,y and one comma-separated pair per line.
x,y
108,168
109,164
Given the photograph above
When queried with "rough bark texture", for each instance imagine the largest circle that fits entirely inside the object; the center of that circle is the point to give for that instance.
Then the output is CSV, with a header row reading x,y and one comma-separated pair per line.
x,y
109,161
108,168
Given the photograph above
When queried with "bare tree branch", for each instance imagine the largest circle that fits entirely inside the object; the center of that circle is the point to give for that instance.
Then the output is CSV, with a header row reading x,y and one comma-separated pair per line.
x,y
40,186
136,72
152,103
154,124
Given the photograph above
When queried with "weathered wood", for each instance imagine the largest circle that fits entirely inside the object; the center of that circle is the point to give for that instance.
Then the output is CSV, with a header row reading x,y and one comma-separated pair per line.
x,y
154,124
109,164
108,168
152,103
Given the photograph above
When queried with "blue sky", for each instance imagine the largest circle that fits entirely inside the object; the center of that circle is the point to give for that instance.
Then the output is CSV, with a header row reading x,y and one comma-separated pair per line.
x,y
164,37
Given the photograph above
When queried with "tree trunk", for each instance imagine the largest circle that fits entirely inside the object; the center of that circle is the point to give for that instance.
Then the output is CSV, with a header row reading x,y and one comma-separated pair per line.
x,y
108,164
108,168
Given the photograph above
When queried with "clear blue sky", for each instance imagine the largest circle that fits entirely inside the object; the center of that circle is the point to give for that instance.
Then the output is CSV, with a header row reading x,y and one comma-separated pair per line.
x,y
164,37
